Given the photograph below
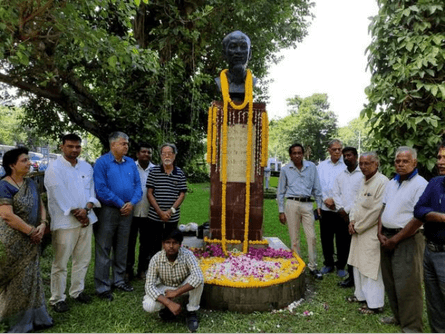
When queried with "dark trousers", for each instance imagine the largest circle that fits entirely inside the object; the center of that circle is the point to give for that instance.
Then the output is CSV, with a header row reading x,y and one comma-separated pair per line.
x,y
434,271
111,232
153,239
141,226
331,224
402,276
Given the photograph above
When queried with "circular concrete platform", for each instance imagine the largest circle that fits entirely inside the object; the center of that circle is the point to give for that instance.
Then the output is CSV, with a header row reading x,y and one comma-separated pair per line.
x,y
247,300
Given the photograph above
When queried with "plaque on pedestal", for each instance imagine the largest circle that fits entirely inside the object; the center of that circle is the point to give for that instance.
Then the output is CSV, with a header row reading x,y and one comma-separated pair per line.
x,y
237,135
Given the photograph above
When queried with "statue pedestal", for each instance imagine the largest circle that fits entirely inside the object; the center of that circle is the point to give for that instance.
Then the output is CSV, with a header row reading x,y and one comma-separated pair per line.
x,y
236,175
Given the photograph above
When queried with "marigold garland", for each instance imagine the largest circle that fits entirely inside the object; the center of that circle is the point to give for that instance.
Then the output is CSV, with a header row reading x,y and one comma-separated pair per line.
x,y
209,135
251,242
265,139
248,100
214,132
212,151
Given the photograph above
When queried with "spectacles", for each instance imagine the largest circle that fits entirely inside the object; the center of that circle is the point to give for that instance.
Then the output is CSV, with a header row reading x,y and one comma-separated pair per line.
x,y
167,154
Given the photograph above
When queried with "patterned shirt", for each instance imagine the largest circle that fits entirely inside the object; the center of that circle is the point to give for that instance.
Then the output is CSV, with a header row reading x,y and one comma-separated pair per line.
x,y
166,190
184,270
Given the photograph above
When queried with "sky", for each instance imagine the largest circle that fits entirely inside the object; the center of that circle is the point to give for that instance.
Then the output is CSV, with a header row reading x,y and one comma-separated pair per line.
x,y
331,59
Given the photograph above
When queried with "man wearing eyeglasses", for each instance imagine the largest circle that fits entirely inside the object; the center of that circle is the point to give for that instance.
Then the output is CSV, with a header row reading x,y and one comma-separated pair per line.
x,y
166,188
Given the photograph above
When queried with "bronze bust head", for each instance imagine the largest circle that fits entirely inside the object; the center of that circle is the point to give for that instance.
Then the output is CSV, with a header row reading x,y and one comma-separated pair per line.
x,y
237,52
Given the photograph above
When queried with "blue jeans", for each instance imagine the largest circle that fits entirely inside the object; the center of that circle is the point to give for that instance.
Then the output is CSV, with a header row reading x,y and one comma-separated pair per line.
x,y
434,276
111,232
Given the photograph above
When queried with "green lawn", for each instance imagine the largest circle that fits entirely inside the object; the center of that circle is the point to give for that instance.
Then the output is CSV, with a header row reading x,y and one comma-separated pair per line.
x,y
331,313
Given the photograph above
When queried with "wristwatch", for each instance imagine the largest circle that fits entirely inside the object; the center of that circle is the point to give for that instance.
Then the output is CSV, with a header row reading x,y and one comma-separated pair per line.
x,y
88,210
173,209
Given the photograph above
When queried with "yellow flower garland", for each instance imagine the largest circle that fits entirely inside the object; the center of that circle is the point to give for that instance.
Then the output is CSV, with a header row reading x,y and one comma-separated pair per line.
x,y
209,135
251,242
264,139
248,100
212,150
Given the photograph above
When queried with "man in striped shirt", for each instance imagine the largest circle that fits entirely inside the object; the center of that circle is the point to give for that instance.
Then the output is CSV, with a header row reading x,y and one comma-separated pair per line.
x,y
173,272
166,188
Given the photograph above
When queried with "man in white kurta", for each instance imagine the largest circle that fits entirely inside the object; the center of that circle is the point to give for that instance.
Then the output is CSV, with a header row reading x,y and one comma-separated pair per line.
x,y
71,197
364,254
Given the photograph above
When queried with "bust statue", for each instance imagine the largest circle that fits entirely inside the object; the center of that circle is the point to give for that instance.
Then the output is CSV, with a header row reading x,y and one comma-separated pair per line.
x,y
237,53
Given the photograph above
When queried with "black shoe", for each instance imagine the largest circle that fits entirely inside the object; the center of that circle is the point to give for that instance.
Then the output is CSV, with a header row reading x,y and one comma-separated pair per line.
x,y
192,321
106,295
347,283
316,274
124,287
83,298
61,307
166,315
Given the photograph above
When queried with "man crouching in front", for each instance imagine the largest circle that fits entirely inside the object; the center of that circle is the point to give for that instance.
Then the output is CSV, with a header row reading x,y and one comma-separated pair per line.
x,y
172,272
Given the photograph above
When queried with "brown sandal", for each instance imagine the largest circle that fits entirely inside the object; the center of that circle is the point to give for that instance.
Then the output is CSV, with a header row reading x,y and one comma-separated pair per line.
x,y
353,299
367,310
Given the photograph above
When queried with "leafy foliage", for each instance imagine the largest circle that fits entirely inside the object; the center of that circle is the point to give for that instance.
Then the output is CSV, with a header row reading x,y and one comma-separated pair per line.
x,y
310,123
407,91
356,134
142,67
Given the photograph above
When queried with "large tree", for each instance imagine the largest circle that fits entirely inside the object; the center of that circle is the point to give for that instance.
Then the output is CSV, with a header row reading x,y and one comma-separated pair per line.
x,y
407,92
145,68
310,122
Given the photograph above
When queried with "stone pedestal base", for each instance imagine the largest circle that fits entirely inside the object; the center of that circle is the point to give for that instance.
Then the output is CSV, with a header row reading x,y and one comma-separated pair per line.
x,y
248,300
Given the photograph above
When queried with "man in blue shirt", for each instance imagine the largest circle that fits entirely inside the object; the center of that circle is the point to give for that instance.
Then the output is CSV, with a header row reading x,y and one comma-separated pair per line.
x,y
430,209
298,182
118,188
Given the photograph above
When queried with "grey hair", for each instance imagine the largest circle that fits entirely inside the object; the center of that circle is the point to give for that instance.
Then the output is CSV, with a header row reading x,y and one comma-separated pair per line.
x,y
334,141
411,150
374,156
173,146
116,135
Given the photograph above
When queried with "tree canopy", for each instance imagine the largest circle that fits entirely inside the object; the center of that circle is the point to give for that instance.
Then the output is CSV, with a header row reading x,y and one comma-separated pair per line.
x,y
144,68
356,134
310,123
407,92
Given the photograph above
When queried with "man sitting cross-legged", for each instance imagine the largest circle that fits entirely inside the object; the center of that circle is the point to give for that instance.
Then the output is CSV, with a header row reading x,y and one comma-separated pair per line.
x,y
172,272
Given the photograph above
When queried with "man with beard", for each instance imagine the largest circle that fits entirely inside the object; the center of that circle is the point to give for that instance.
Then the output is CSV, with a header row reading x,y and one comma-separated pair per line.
x,y
345,191
166,188
71,196
364,253
118,187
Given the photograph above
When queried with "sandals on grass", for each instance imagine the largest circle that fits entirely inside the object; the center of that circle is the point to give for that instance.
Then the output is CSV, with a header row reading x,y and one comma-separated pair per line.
x,y
353,299
367,310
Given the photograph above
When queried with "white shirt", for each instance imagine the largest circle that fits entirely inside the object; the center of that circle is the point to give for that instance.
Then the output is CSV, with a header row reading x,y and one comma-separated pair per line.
x,y
346,187
69,187
400,199
142,207
327,172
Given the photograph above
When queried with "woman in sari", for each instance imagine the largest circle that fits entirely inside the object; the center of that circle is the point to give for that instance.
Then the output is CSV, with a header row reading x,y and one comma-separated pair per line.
x,y
22,225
